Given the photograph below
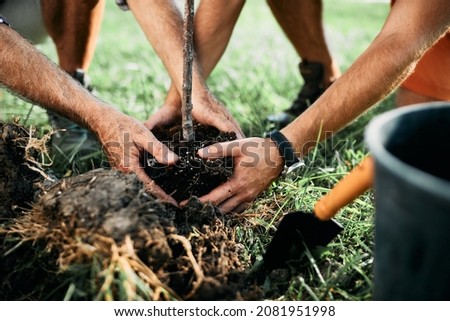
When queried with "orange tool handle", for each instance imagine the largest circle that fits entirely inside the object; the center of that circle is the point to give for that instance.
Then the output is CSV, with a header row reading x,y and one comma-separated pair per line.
x,y
346,190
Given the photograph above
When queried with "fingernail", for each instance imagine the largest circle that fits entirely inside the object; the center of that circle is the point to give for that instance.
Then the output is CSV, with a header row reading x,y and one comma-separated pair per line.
x,y
208,151
169,157
172,158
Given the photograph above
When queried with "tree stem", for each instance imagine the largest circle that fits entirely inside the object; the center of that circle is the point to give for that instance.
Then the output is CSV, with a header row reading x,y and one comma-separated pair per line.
x,y
188,57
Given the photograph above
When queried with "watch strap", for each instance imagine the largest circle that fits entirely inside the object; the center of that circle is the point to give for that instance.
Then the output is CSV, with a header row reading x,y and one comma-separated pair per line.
x,y
284,146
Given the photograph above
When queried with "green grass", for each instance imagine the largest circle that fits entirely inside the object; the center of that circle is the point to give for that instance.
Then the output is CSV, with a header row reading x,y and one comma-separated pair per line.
x,y
258,75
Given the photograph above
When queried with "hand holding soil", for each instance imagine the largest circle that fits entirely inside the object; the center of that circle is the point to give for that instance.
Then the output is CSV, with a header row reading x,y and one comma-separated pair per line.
x,y
191,175
257,163
209,111
101,232
125,149
168,115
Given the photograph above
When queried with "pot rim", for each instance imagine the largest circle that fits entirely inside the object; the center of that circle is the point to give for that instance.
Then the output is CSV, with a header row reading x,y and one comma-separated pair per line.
x,y
417,177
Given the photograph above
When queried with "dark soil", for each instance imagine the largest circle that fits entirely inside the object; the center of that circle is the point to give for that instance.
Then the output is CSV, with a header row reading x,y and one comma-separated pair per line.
x,y
100,236
17,179
191,176
81,217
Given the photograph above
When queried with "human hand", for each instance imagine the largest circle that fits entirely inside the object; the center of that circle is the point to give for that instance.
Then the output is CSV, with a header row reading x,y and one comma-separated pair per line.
x,y
125,141
207,110
166,116
257,163
210,112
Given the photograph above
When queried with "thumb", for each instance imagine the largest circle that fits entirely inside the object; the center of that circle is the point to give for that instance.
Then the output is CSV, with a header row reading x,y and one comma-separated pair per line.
x,y
162,153
226,125
220,150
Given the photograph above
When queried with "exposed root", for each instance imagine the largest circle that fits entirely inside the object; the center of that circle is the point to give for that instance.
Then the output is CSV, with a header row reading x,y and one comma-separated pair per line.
x,y
197,269
101,236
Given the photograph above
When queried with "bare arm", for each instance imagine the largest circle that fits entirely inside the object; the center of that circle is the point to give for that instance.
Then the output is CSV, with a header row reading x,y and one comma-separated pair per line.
x,y
162,24
29,74
411,28
214,24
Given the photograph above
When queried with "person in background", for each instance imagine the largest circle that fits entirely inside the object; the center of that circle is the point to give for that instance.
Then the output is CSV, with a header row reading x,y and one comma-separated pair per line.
x,y
301,21
213,27
430,79
74,27
162,23
409,31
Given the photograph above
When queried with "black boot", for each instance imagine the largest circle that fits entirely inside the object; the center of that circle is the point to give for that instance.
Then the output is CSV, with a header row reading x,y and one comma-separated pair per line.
x,y
73,146
312,73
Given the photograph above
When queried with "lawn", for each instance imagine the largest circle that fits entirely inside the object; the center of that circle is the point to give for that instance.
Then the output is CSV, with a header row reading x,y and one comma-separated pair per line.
x,y
258,75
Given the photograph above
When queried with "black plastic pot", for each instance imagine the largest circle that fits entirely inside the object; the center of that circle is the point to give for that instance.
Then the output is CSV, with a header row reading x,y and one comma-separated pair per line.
x,y
411,147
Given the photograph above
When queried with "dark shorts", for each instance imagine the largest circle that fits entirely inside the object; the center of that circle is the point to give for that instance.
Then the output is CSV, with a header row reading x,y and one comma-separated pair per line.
x,y
122,4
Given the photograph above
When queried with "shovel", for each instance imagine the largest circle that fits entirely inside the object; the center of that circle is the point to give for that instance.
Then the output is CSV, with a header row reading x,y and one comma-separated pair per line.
x,y
318,228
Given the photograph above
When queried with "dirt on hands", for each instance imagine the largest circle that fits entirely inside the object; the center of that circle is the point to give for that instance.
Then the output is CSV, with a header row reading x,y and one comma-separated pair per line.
x,y
192,175
101,236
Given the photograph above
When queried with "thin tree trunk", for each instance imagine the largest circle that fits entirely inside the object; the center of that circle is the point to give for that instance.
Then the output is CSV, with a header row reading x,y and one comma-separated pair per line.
x,y
188,52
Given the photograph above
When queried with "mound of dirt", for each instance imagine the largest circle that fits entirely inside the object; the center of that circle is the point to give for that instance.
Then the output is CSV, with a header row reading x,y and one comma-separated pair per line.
x,y
104,219
18,170
100,236
191,176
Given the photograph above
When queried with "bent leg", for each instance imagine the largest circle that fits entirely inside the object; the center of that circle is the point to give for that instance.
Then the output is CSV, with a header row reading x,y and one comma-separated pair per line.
x,y
405,97
429,81
74,27
301,21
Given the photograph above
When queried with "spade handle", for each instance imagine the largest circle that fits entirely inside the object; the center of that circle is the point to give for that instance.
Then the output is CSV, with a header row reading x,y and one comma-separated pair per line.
x,y
346,190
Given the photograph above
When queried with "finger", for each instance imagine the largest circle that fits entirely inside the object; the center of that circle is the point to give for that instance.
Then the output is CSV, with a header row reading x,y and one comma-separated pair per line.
x,y
219,194
234,204
159,193
151,123
161,152
161,118
226,125
240,208
229,206
220,150
240,133
153,188
155,120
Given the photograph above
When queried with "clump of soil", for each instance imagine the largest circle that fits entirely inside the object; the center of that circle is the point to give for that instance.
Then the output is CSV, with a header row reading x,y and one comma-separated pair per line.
x,y
19,170
192,175
101,236
140,248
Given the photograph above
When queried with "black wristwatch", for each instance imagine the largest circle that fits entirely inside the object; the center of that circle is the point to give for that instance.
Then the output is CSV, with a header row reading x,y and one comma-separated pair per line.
x,y
291,161
3,21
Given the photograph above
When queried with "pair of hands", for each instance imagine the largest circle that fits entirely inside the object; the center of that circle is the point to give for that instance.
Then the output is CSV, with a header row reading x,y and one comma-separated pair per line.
x,y
257,162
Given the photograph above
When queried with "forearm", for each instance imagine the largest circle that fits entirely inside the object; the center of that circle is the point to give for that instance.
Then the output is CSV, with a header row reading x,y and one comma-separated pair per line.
x,y
28,73
214,24
162,24
380,69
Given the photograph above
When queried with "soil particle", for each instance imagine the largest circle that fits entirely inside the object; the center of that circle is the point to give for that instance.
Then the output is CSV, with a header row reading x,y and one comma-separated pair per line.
x,y
100,235
191,176
191,250
17,179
